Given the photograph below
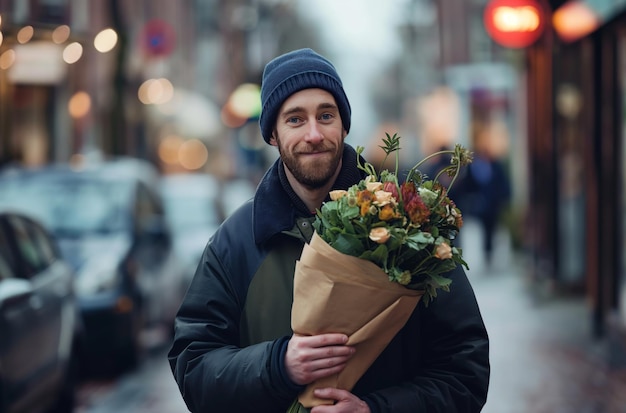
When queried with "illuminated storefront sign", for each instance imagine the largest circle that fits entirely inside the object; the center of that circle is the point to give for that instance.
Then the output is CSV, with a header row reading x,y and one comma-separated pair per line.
x,y
38,63
514,23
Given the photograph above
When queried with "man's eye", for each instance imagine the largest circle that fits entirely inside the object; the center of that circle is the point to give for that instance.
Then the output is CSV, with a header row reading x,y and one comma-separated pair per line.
x,y
326,116
293,120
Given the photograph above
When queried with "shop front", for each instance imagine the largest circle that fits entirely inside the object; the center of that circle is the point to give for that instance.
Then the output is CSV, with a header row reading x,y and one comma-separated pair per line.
x,y
578,131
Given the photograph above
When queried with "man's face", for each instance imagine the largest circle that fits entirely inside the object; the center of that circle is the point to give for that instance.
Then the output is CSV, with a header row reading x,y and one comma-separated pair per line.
x,y
309,135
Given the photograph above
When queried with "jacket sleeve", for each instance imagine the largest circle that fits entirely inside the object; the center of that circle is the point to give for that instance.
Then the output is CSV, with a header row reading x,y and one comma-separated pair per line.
x,y
213,373
454,351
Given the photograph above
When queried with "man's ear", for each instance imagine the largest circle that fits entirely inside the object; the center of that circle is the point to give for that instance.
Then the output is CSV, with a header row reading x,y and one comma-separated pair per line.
x,y
273,140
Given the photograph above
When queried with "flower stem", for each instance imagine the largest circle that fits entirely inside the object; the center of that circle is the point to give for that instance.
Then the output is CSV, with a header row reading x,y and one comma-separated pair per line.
x,y
432,155
296,407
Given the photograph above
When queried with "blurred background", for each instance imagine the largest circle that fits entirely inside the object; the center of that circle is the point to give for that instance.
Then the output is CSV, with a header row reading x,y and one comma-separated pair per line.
x,y
128,133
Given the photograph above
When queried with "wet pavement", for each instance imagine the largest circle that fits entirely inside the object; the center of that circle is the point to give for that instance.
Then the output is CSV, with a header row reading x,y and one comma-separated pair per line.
x,y
150,388
543,357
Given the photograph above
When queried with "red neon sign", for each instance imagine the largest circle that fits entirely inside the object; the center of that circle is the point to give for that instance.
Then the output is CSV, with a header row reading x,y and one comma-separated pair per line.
x,y
514,23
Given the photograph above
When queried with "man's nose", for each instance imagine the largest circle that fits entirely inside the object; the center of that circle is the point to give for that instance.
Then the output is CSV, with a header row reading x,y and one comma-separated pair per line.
x,y
314,133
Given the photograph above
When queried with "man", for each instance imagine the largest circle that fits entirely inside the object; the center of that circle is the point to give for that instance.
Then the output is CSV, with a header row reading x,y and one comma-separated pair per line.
x,y
234,350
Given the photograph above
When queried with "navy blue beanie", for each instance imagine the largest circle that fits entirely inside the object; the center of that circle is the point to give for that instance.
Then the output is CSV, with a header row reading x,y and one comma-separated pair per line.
x,y
294,71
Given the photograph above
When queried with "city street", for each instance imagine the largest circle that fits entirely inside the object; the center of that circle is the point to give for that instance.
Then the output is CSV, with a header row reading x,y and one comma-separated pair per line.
x,y
130,130
543,357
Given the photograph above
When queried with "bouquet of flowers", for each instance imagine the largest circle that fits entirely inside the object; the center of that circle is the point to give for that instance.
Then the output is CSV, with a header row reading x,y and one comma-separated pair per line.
x,y
406,229
379,247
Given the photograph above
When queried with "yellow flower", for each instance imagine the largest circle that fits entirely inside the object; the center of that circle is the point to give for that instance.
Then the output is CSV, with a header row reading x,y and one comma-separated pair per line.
x,y
444,251
337,194
380,235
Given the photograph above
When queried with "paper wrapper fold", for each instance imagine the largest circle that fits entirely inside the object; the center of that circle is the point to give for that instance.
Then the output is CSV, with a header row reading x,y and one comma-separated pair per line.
x,y
339,293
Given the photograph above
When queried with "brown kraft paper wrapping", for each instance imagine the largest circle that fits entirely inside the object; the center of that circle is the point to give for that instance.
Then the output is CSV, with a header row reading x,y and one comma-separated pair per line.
x,y
339,293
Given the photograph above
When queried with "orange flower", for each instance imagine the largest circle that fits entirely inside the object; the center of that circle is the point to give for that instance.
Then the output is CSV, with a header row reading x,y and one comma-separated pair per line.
x,y
364,200
386,213
364,196
365,209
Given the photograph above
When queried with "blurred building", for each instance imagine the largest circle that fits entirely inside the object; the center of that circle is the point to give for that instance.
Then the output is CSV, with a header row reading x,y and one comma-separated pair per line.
x,y
146,78
551,86
71,72
576,131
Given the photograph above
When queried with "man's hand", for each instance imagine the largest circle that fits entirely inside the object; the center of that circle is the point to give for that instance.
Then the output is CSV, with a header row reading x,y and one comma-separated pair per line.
x,y
345,402
310,358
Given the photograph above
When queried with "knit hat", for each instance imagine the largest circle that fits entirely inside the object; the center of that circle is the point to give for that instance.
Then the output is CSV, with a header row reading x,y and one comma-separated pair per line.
x,y
295,71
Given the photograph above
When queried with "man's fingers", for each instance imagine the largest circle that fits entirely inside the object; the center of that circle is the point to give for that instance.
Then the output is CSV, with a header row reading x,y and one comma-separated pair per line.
x,y
323,340
314,348
327,363
332,393
313,357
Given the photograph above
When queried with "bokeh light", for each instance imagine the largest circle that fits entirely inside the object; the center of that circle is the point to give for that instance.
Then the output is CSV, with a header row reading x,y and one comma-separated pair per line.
x,y
7,59
168,149
193,154
243,104
25,34
79,105
105,41
574,20
246,100
155,91
61,34
72,52
510,19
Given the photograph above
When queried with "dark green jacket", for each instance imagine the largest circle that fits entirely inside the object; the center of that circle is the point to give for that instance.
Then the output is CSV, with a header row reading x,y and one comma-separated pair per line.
x,y
233,326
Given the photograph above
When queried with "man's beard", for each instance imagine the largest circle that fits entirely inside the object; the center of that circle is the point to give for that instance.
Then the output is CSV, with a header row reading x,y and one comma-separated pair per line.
x,y
314,174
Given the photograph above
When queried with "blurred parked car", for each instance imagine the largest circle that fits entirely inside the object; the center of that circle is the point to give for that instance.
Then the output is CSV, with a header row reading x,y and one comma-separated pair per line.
x,y
110,224
40,326
193,209
234,193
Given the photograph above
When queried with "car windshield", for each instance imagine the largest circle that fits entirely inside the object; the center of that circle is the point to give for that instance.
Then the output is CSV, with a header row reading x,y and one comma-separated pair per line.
x,y
71,206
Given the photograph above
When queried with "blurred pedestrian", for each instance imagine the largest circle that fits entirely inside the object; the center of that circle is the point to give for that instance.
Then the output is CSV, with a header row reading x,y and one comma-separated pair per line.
x,y
234,350
484,190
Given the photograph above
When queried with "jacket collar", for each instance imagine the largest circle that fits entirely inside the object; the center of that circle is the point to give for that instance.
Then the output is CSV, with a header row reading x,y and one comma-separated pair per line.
x,y
273,210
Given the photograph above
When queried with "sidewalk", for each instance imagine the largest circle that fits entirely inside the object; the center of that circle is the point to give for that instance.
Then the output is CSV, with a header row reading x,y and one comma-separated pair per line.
x,y
543,356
